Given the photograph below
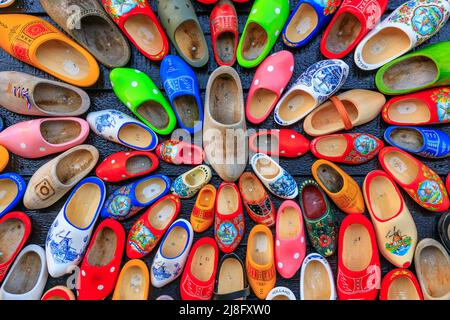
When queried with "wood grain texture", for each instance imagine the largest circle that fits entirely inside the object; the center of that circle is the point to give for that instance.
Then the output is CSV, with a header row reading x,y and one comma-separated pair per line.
x,y
103,97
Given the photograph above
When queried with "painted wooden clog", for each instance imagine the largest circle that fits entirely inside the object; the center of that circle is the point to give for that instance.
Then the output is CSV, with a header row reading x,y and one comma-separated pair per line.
x,y
447,183
120,128
126,165
401,31
274,177
427,67
141,95
345,111
229,224
340,187
260,261
359,273
316,279
202,216
35,41
420,182
4,158
172,254
183,28
133,282
432,265
281,293
189,183
231,282
224,32
180,152
279,142
55,178
12,189
25,94
257,201
306,21
138,22
60,293
41,137
261,31
348,148
224,122
92,29
269,82
290,242
15,229
146,232
319,218
417,109
101,264
443,228
69,234
400,284
126,201
424,142
197,282
181,85
394,226
6,3
317,84
352,21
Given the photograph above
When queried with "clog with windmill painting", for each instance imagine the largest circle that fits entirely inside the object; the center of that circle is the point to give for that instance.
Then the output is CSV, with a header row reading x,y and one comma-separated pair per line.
x,y
224,32
202,216
189,183
133,282
12,189
400,284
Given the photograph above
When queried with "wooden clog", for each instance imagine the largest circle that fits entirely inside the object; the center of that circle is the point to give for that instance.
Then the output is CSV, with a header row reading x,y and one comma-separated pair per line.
x,y
394,226
189,183
28,95
420,182
225,122
432,265
340,187
12,189
316,279
400,284
231,282
35,41
92,28
279,142
4,158
133,282
443,229
281,293
260,261
165,297
6,3
224,32
61,293
202,216
55,178
345,111
180,152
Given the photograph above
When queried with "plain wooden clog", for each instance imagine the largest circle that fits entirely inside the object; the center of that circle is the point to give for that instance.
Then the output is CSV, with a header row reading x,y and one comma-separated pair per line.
x,y
133,282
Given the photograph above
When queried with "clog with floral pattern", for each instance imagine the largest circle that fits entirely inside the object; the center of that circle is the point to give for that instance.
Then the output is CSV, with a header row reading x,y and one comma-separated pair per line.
x,y
279,142
224,32
180,152
202,216
400,284
12,189
189,183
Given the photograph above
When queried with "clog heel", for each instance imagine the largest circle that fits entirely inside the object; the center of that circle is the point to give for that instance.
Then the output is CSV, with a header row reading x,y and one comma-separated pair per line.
x,y
133,282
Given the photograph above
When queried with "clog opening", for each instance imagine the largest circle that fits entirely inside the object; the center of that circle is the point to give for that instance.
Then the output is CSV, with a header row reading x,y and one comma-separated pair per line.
x,y
225,105
60,131
435,271
9,190
25,274
206,198
343,33
189,37
132,284
231,277
314,203
410,73
203,262
289,224
267,143
135,135
55,99
402,288
228,200
196,177
260,249
316,282
401,166
357,248
12,232
267,168
138,164
82,207
225,44
407,138
187,110
175,243
387,44
154,113
261,103
384,198
145,34
71,167
302,24
254,42
162,213
296,105
333,146
252,189
327,119
104,248
330,178
150,189
407,111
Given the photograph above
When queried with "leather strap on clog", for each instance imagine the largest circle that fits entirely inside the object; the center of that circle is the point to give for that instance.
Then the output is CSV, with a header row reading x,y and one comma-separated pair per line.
x,y
348,125
241,294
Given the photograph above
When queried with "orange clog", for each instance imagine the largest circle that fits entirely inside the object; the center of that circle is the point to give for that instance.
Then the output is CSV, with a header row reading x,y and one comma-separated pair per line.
x,y
342,189
202,216
4,158
133,282
38,43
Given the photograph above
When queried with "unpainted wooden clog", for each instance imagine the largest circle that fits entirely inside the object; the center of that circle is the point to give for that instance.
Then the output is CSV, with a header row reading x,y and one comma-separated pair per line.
x,y
12,187
400,284
133,282
316,279
231,282
202,215
189,183
61,293
279,142
224,32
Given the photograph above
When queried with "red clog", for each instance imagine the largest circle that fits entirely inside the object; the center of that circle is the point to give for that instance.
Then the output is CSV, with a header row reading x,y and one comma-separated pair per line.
x,y
151,226
269,82
229,227
348,148
353,20
279,142
125,165
419,181
417,109
359,272
15,229
180,152
447,183
197,282
400,284
58,293
224,33
207,1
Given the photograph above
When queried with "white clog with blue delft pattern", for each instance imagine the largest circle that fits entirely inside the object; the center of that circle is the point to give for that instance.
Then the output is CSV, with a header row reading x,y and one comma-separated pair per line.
x,y
69,234
189,183
274,177
320,269
316,85
172,254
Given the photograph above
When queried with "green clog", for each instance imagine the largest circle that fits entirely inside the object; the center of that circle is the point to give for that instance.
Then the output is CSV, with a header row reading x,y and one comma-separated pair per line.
x,y
138,92
425,68
264,25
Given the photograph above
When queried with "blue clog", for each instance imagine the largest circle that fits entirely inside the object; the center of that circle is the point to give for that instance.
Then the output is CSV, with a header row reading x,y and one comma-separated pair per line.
x,y
181,86
425,142
12,189
126,201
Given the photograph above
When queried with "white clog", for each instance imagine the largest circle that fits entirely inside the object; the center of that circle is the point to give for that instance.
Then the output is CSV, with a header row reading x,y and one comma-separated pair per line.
x,y
316,279
281,293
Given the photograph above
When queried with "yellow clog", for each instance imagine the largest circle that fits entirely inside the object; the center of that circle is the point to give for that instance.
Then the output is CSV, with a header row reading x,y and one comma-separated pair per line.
x,y
133,282
4,158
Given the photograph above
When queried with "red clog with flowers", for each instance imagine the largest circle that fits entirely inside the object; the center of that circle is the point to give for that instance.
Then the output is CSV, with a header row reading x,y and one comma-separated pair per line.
x,y
348,148
180,152
400,284
197,281
224,33
279,142
359,273
229,226
420,182
125,165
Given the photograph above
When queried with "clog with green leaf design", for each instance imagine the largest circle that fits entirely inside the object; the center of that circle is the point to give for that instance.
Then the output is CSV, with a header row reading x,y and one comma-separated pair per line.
x,y
264,25
140,94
